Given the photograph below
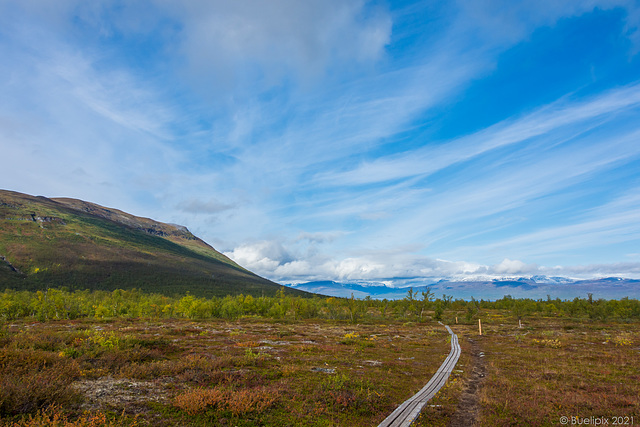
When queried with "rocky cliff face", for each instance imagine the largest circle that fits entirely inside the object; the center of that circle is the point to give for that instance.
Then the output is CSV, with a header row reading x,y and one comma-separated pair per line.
x,y
11,267
147,225
12,208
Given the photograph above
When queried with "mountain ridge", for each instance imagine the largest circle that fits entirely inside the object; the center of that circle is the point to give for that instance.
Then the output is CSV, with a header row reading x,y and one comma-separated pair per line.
x,y
82,245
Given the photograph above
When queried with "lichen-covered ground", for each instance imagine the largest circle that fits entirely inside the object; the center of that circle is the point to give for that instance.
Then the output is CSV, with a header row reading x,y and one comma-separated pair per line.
x,y
254,372
247,372
550,368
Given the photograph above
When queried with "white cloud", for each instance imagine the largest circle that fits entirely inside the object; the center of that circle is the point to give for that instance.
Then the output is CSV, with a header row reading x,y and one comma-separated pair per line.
x,y
500,23
260,256
514,267
230,44
320,237
629,270
199,206
271,260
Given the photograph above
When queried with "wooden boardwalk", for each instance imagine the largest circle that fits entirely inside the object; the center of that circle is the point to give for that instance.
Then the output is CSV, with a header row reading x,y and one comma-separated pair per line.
x,y
408,411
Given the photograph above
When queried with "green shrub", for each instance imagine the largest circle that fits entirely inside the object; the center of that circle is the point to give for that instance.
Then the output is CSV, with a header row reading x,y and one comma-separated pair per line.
x,y
39,380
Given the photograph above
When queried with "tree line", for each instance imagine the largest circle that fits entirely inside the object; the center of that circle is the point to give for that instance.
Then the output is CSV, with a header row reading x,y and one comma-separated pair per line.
x,y
60,303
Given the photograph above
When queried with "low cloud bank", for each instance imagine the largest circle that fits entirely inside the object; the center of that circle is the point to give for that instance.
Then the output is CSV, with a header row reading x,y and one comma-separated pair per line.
x,y
273,261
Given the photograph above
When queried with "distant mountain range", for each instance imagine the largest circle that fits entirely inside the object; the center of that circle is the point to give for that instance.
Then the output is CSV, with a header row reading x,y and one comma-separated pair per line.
x,y
80,245
483,288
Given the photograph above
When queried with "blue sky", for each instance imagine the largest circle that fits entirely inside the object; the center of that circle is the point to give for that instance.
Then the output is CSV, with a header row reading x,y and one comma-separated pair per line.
x,y
336,139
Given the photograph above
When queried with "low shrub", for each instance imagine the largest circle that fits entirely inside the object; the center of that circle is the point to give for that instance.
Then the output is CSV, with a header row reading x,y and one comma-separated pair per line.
x,y
28,384
239,402
350,338
622,340
552,343
345,394
53,416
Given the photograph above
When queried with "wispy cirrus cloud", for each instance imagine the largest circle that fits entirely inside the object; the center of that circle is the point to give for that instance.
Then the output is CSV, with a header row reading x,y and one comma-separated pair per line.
x,y
198,206
340,139
614,223
562,115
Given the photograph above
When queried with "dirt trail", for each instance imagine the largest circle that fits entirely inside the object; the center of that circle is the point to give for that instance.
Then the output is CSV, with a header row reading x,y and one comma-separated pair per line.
x,y
468,409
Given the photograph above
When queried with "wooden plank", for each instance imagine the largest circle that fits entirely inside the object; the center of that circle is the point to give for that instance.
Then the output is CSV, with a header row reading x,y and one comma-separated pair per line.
x,y
408,411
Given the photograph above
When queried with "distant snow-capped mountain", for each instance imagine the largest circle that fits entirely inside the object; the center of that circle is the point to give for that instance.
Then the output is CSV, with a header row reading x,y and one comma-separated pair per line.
x,y
482,287
545,279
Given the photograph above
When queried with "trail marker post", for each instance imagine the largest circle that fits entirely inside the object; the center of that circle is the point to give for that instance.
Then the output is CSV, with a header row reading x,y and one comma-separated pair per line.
x,y
480,326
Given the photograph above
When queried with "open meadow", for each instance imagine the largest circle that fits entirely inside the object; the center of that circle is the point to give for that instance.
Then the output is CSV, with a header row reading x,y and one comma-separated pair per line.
x,y
354,213
548,369
322,370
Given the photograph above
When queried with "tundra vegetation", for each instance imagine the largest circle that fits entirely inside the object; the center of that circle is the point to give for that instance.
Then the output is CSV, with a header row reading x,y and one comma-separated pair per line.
x,y
127,357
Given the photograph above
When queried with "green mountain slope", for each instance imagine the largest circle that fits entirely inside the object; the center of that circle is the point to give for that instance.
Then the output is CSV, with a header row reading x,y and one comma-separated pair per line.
x,y
67,242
